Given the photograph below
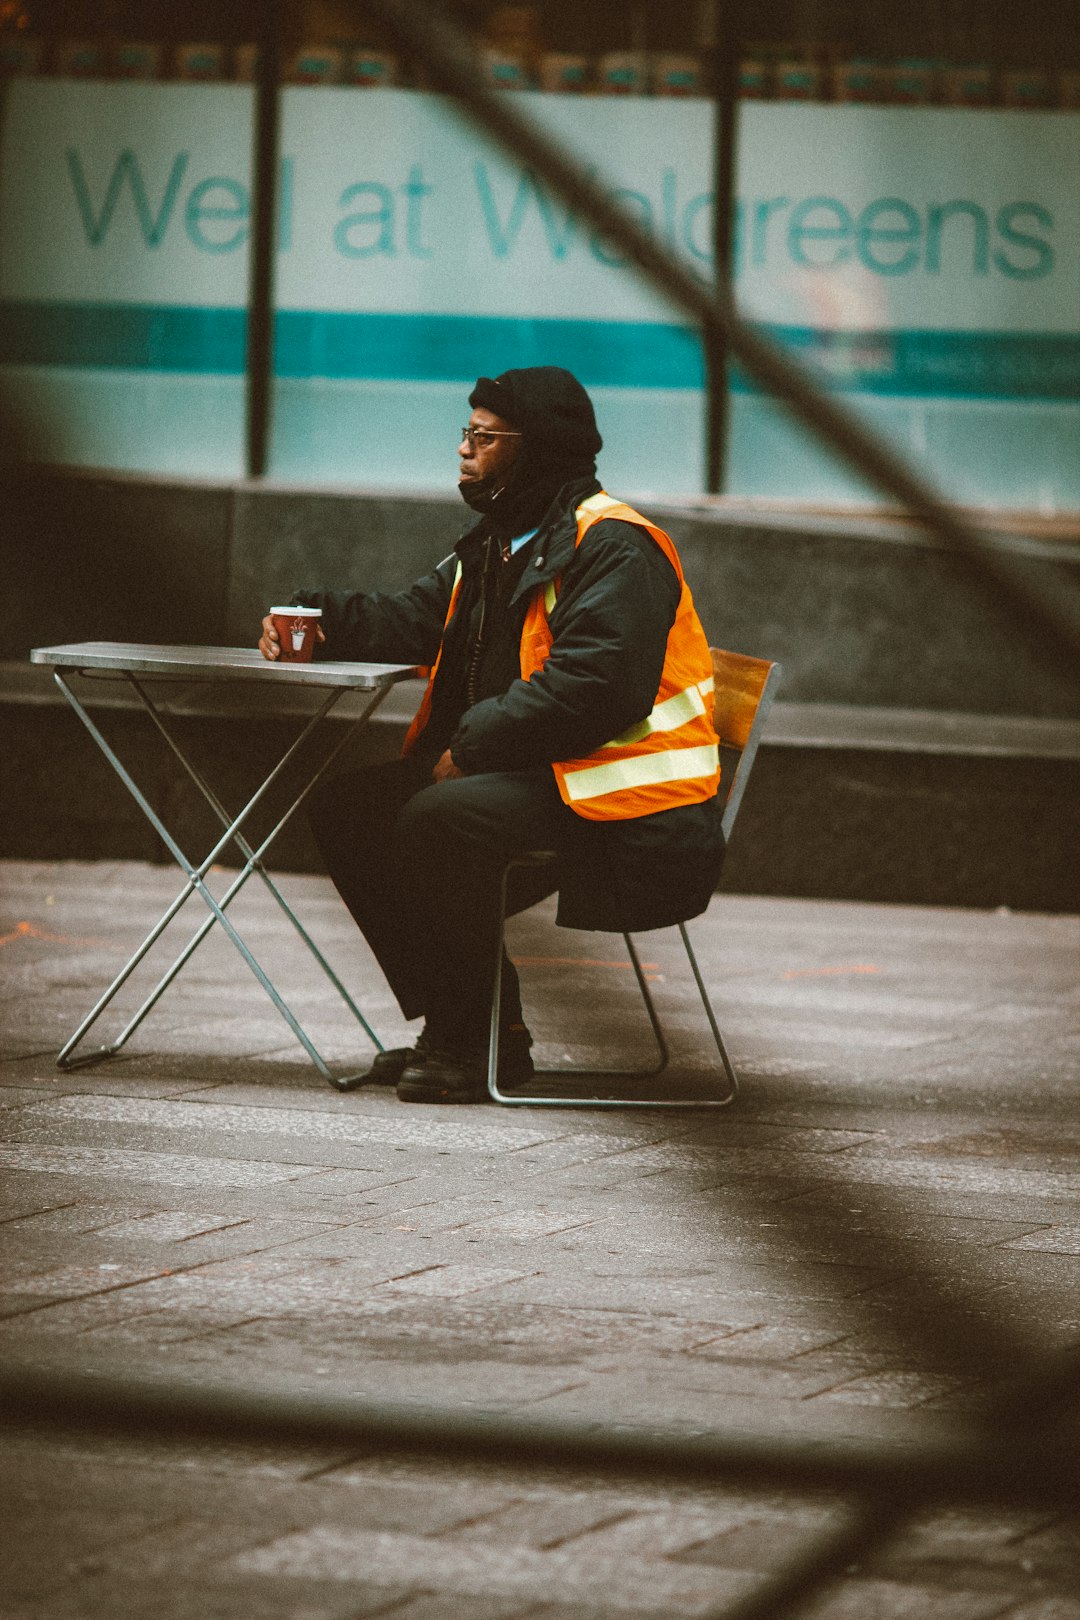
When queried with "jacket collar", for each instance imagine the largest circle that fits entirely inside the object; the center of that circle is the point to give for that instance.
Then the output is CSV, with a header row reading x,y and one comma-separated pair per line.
x,y
553,547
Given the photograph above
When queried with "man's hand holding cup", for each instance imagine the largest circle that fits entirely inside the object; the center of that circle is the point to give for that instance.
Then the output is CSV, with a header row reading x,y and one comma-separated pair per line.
x,y
289,634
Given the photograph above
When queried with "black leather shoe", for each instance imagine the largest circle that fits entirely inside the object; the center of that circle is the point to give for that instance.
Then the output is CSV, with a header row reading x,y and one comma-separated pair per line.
x,y
388,1066
443,1080
450,1075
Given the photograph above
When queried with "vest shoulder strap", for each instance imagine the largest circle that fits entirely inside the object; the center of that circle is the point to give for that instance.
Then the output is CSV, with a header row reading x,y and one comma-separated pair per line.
x,y
602,505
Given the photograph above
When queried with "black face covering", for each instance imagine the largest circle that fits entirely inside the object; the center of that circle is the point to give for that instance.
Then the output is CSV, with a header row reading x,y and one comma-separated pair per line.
x,y
481,493
519,499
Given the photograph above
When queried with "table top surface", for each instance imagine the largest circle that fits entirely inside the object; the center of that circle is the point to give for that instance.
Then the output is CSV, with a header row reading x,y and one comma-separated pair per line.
x,y
216,663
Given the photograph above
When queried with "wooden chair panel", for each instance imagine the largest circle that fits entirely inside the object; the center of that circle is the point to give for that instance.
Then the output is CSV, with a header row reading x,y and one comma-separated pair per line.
x,y
740,681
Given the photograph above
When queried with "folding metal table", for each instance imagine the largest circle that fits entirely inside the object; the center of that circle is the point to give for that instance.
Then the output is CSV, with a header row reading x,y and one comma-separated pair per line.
x,y
137,665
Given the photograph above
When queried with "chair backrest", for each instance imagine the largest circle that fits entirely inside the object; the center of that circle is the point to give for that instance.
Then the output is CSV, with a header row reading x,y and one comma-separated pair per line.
x,y
743,695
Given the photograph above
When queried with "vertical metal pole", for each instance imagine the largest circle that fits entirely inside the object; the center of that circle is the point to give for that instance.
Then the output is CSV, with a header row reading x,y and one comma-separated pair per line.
x,y
260,321
720,37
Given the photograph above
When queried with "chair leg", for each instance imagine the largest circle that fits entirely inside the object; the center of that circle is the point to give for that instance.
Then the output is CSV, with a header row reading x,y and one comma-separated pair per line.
x,y
533,1101
650,1008
729,1070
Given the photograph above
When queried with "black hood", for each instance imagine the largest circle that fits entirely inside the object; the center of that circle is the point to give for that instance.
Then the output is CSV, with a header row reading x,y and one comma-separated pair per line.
x,y
550,407
552,411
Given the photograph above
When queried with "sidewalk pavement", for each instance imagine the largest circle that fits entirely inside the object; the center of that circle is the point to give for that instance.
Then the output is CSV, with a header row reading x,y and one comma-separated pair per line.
x,y
883,1227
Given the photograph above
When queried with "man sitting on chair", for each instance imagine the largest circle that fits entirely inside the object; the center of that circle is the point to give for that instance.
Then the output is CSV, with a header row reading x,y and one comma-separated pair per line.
x,y
568,708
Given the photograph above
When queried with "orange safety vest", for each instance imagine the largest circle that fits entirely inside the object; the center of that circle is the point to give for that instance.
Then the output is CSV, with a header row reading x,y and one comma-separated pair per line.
x,y
671,757
423,713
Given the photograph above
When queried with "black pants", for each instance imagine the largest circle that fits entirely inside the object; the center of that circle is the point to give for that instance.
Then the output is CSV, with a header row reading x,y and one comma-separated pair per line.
x,y
418,863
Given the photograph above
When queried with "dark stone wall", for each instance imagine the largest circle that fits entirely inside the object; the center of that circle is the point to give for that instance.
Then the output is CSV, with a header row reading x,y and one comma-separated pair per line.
x,y
858,613
819,822
60,800
876,617
909,827
283,540
86,558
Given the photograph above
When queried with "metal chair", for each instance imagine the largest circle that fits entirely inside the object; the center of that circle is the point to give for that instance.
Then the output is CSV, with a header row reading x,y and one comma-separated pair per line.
x,y
742,697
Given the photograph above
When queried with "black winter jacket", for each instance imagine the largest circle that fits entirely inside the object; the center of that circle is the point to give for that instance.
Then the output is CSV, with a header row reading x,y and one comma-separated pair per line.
x,y
616,603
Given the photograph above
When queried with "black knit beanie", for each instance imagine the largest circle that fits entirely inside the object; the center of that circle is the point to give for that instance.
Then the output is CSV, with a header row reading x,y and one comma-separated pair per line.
x,y
549,406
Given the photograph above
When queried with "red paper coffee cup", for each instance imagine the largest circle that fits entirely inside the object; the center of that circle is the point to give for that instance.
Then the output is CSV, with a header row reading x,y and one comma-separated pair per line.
x,y
296,632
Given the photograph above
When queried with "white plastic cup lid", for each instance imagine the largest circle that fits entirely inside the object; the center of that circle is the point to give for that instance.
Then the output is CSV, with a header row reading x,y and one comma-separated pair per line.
x,y
299,612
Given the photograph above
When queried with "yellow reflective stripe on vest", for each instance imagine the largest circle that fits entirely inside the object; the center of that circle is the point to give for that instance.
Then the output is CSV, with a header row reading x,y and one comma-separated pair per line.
x,y
600,502
668,716
644,770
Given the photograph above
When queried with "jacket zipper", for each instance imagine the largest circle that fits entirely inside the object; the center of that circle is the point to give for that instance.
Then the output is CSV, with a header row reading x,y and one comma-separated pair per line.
x,y
478,643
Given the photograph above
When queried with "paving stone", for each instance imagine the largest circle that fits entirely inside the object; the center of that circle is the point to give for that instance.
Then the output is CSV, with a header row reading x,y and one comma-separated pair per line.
x,y
765,1341
16,1096
531,1223
891,1600
548,1522
439,1606
582,1611
1047,1608
60,1541
21,1203
987,1532
66,1281
717,1287
72,1461
1048,1240
168,1169
621,1401
412,1325
1053,1552
684,1533
70,1219
494,1135
171,1226
890,1389
624,1583
540,1482
215,1596
449,1282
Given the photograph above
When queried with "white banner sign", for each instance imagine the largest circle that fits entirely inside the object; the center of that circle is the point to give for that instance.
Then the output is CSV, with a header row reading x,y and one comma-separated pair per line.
x,y
929,254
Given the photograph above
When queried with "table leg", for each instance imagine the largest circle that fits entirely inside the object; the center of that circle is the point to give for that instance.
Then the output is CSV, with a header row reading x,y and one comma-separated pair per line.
x,y
253,860
195,883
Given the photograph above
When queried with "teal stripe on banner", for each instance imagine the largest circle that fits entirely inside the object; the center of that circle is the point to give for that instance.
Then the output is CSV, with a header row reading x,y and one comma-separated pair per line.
x,y
431,348
448,348
995,365
456,348
130,337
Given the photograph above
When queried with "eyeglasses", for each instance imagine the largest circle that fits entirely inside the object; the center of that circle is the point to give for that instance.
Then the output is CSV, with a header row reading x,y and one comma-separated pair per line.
x,y
481,438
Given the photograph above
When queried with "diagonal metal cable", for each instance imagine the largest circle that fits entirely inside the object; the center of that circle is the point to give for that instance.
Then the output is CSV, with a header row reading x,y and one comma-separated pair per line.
x,y
1025,1392
1022,1405
1050,614
783,1594
995,1466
